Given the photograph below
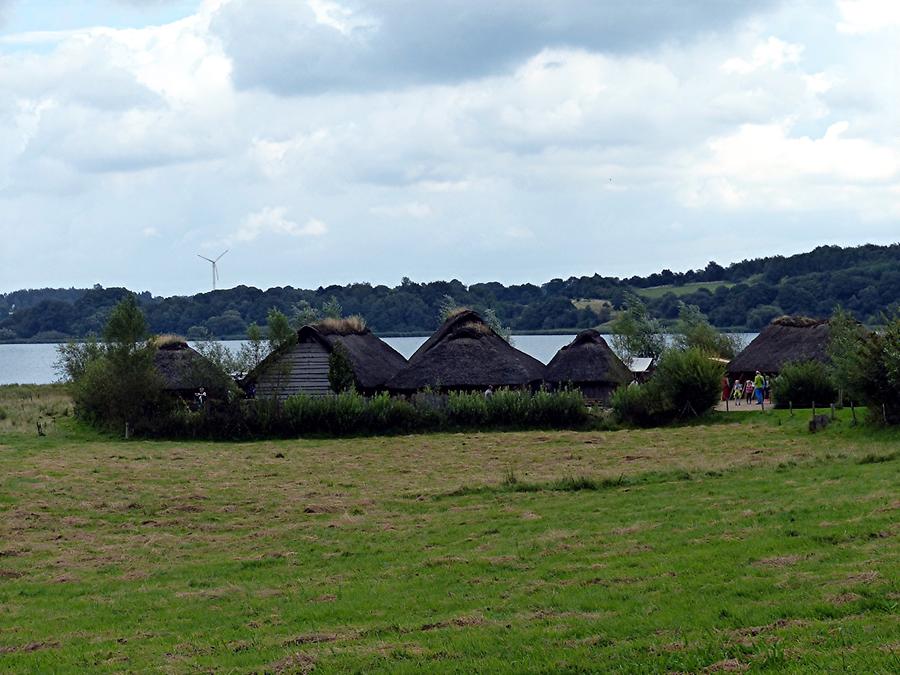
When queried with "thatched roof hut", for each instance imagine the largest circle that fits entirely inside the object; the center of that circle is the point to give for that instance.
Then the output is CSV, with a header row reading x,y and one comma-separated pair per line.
x,y
303,366
785,340
589,364
466,354
184,370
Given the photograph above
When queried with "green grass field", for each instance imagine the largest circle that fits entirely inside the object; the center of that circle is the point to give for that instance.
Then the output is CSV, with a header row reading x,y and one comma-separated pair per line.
x,y
745,543
686,289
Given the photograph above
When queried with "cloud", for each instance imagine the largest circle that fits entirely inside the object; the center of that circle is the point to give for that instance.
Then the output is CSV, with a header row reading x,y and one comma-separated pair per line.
x,y
356,45
868,16
765,166
409,210
453,127
273,220
773,53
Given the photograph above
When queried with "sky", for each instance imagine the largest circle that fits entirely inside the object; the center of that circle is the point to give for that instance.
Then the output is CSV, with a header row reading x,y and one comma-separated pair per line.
x,y
338,141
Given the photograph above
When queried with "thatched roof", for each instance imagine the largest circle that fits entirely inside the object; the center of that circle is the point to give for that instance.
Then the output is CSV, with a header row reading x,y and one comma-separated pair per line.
x,y
785,340
465,353
184,369
587,359
374,361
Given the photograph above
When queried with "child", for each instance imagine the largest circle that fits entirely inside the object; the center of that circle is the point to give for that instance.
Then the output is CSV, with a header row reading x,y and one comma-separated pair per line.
x,y
737,392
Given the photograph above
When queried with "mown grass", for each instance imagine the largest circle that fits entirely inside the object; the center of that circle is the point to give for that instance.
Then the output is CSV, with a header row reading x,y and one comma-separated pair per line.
x,y
684,289
745,543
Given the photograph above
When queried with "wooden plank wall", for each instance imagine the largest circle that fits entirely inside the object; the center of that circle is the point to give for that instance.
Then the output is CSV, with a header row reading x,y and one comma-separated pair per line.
x,y
304,369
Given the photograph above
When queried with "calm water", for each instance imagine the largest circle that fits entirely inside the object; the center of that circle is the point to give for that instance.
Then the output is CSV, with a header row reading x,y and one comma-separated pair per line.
x,y
33,364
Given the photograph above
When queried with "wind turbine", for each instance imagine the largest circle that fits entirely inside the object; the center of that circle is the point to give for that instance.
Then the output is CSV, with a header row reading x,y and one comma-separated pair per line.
x,y
215,269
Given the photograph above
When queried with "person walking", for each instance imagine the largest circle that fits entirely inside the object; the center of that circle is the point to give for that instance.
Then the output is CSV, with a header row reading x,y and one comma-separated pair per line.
x,y
737,392
759,387
748,390
726,388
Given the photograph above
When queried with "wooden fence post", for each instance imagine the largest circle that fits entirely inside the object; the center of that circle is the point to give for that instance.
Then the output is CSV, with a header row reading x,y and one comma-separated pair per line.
x,y
791,404
832,412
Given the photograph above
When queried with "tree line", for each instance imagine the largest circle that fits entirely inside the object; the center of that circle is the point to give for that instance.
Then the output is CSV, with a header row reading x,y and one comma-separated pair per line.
x,y
746,295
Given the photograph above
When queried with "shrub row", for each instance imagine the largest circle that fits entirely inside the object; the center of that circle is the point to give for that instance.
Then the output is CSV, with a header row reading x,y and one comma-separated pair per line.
x,y
686,384
350,414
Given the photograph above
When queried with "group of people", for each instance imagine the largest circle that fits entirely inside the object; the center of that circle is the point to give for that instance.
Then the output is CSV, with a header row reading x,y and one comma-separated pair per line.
x,y
758,388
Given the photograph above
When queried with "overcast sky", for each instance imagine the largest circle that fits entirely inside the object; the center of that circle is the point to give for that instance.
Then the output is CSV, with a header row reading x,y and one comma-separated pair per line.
x,y
366,140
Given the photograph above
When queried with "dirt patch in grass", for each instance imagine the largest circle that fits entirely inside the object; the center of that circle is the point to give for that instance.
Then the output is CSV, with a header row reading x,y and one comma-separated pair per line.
x,y
753,631
458,622
313,639
298,662
30,647
727,665
844,598
779,561
864,577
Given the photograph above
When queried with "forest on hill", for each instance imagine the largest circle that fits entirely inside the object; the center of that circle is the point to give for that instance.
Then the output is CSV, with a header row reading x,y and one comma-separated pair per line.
x,y
744,295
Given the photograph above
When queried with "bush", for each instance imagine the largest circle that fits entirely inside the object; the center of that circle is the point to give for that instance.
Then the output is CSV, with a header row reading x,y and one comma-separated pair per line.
x,y
876,377
467,409
639,405
351,413
689,381
686,384
803,384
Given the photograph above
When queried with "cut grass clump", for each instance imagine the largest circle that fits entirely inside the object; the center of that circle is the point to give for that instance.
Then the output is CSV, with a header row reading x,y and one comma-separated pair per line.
x,y
511,484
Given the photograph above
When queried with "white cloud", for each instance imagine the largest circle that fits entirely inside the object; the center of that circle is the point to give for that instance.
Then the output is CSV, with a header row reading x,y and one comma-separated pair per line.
x,y
273,220
150,232
868,16
106,134
409,210
765,166
773,53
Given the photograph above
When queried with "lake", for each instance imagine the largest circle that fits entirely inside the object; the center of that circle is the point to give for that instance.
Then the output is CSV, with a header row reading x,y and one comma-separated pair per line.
x,y
33,363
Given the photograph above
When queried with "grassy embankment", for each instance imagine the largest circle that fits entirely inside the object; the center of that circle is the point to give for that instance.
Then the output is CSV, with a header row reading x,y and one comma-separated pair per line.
x,y
745,543
684,289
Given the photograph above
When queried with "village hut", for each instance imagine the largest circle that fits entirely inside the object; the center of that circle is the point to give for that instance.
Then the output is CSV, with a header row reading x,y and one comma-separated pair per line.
x,y
589,364
465,354
786,340
184,371
303,366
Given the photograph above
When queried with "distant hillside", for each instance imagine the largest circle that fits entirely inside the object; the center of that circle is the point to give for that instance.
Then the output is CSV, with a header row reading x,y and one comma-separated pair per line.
x,y
742,296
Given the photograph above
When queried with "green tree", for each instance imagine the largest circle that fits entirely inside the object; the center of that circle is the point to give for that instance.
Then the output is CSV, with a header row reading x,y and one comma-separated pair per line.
x,y
116,383
253,351
636,333
305,314
280,331
693,331
447,307
846,341
332,309
340,370
126,328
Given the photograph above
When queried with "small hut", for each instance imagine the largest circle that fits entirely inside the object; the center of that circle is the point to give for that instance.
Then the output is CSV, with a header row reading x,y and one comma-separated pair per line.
x,y
465,354
185,371
589,364
303,366
787,339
